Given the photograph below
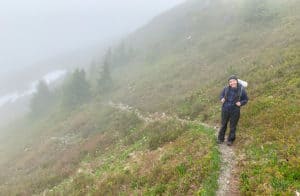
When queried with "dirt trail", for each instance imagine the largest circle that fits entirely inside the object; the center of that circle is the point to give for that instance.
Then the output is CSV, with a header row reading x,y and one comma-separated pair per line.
x,y
228,182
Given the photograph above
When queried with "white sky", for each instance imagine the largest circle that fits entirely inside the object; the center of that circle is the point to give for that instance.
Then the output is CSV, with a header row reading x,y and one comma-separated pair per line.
x,y
32,30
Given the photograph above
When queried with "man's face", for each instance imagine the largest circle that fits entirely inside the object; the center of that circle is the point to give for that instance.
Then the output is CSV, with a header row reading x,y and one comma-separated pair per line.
x,y
233,83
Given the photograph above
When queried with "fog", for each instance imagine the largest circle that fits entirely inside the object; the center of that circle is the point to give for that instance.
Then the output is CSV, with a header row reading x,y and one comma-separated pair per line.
x,y
49,79
34,30
36,34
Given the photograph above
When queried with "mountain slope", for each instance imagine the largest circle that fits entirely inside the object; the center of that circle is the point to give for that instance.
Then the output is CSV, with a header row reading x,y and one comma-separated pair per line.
x,y
187,48
176,66
267,143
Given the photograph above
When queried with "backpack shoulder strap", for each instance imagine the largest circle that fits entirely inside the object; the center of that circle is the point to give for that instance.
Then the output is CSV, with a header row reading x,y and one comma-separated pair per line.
x,y
226,92
240,91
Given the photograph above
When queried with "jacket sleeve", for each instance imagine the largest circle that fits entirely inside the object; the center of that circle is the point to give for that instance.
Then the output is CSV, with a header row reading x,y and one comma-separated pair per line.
x,y
244,97
222,95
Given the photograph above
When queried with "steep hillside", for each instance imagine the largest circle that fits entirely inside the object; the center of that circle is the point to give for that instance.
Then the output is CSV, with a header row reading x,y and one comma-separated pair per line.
x,y
199,42
269,145
171,72
106,150
268,135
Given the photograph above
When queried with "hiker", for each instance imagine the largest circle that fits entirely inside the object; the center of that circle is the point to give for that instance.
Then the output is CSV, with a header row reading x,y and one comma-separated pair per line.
x,y
232,97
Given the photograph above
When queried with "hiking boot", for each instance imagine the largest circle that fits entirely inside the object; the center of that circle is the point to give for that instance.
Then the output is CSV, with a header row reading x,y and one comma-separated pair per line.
x,y
229,143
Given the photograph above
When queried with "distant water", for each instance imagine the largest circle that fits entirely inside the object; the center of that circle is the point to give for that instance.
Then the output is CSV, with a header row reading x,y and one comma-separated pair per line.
x,y
49,79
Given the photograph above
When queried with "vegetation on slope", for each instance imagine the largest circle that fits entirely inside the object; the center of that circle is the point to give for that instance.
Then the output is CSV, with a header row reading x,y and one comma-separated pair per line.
x,y
178,63
51,150
137,168
101,150
268,135
270,132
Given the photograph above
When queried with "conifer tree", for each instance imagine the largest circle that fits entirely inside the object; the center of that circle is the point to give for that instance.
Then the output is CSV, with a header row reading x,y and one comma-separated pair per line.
x,y
41,100
105,80
76,90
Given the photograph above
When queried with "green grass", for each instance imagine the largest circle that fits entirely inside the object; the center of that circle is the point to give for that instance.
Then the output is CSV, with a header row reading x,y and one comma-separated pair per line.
x,y
114,152
268,132
138,170
163,71
271,132
81,136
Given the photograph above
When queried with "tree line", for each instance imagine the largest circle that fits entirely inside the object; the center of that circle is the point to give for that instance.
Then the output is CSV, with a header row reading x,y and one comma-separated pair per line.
x,y
76,89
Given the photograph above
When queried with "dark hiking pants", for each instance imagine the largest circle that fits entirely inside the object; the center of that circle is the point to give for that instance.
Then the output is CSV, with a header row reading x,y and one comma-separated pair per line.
x,y
231,115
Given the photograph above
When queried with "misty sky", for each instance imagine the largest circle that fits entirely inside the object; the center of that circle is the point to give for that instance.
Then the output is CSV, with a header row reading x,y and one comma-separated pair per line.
x,y
33,30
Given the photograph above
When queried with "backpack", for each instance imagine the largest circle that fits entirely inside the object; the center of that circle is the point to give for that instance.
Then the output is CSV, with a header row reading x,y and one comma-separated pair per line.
x,y
241,85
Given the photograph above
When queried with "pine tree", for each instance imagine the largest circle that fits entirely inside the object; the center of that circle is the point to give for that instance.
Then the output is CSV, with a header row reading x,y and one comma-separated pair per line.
x,y
105,80
76,90
41,100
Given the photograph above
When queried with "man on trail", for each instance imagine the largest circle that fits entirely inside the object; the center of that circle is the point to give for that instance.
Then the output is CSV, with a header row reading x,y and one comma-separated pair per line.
x,y
232,97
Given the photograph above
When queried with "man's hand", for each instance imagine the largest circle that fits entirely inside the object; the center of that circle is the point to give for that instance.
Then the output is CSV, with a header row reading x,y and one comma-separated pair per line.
x,y
223,100
238,104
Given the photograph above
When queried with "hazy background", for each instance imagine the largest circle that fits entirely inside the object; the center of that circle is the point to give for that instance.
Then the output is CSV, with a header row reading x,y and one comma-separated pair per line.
x,y
34,30
42,37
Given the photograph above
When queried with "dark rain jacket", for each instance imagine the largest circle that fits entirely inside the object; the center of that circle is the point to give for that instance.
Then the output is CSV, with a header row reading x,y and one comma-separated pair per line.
x,y
232,96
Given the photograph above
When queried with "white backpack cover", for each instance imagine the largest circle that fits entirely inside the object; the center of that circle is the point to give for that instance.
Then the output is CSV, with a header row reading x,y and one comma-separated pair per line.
x,y
243,83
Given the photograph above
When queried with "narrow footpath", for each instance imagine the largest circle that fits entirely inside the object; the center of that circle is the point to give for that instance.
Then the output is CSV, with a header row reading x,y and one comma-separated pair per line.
x,y
228,180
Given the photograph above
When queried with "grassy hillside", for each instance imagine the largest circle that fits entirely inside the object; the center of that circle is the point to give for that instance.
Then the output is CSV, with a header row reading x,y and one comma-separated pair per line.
x,y
199,42
138,168
270,131
268,135
102,150
177,64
